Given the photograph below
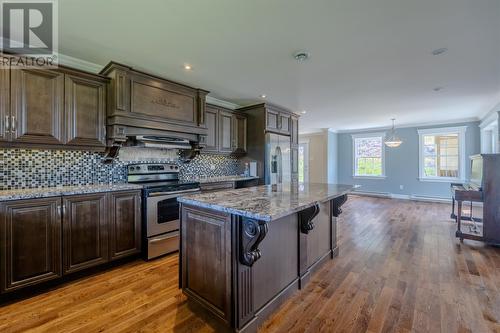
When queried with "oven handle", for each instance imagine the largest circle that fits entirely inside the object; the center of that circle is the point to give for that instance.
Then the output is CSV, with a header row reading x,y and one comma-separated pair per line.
x,y
157,194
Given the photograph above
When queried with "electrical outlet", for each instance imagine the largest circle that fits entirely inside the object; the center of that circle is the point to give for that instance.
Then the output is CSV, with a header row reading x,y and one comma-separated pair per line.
x,y
401,187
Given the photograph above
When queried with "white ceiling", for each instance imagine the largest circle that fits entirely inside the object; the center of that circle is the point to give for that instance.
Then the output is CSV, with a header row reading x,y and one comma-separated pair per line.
x,y
370,59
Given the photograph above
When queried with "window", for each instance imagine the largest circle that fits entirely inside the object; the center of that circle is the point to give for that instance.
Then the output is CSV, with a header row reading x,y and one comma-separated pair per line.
x,y
442,154
304,162
369,154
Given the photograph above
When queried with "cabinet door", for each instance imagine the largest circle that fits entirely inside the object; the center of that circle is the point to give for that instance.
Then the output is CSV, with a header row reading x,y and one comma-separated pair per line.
x,y
295,131
284,123
240,133
30,239
124,224
272,120
85,111
4,104
212,138
226,142
36,106
84,231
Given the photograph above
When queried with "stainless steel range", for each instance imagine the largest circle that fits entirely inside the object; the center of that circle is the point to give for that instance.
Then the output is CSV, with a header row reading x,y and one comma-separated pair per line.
x,y
160,209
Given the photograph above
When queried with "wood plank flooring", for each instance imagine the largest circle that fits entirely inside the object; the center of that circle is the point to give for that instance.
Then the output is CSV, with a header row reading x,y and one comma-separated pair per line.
x,y
400,269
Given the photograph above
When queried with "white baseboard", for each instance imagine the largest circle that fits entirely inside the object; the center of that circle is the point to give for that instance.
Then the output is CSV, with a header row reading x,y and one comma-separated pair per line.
x,y
413,197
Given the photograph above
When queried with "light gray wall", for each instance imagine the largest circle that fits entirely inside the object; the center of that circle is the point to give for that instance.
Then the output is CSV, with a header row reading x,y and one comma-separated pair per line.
x,y
333,165
401,164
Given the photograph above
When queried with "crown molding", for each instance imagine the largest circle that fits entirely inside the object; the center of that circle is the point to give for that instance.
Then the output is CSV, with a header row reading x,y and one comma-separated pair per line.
x,y
222,103
79,63
455,121
492,117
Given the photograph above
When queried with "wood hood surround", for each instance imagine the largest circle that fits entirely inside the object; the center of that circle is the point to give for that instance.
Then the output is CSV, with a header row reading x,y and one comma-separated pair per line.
x,y
144,104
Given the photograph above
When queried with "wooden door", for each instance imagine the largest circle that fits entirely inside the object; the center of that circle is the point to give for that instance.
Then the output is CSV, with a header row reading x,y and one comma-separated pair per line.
x,y
240,133
284,123
226,142
272,120
124,224
37,106
212,138
85,237
30,239
85,111
4,104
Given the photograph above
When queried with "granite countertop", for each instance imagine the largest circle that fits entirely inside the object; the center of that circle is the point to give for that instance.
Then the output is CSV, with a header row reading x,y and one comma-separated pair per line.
x,y
32,193
262,203
235,178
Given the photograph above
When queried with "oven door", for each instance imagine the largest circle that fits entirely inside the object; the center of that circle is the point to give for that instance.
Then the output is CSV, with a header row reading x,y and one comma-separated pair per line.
x,y
162,210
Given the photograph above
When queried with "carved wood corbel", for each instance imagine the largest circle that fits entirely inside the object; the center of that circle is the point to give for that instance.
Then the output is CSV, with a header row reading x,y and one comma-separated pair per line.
x,y
252,232
337,203
306,216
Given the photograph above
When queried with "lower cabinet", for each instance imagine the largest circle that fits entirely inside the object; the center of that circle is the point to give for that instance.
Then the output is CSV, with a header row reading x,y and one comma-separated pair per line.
x,y
85,236
124,224
30,242
43,239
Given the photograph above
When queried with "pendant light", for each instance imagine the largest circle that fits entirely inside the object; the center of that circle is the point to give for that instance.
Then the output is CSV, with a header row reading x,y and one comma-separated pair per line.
x,y
392,141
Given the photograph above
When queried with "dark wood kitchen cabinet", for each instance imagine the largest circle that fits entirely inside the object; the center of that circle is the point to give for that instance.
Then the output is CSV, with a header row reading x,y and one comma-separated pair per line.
x,y
226,138
37,98
85,231
85,111
30,240
124,224
4,104
61,108
227,131
239,133
212,123
294,131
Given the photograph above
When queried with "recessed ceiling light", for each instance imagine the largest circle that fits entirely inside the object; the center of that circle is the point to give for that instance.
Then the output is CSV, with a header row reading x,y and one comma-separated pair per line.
x,y
301,56
438,89
439,51
188,67
263,96
303,111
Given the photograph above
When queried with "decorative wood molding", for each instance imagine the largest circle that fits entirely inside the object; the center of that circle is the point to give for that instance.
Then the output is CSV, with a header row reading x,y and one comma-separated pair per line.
x,y
337,203
306,216
252,232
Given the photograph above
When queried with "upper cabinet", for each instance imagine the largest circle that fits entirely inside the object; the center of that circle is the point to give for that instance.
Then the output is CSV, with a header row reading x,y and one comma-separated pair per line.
x,y
140,100
37,98
227,131
4,103
294,131
212,123
85,110
60,108
276,119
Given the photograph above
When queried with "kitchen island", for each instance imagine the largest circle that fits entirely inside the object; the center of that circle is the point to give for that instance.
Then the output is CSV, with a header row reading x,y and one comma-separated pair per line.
x,y
244,252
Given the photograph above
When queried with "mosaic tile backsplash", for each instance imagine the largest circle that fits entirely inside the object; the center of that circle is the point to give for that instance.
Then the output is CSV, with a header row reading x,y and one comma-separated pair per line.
x,y
30,168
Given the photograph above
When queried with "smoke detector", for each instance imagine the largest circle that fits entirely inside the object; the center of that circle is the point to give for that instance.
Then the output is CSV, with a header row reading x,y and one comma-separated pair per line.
x,y
301,56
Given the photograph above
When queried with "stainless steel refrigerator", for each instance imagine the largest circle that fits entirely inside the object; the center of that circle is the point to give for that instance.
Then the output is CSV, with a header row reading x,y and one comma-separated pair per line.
x,y
278,146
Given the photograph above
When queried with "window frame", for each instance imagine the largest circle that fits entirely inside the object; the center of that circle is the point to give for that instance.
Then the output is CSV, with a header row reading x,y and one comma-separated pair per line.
x,y
460,130
380,135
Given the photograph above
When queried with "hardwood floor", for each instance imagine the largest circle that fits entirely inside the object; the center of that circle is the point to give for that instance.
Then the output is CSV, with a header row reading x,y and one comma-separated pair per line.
x,y
400,269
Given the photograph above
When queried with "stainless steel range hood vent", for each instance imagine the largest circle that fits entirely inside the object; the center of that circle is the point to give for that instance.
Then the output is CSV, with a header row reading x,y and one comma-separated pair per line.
x,y
163,142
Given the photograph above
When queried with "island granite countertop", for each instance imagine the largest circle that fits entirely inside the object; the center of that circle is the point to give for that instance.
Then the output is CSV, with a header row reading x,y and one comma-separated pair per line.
x,y
262,203
222,179
46,192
